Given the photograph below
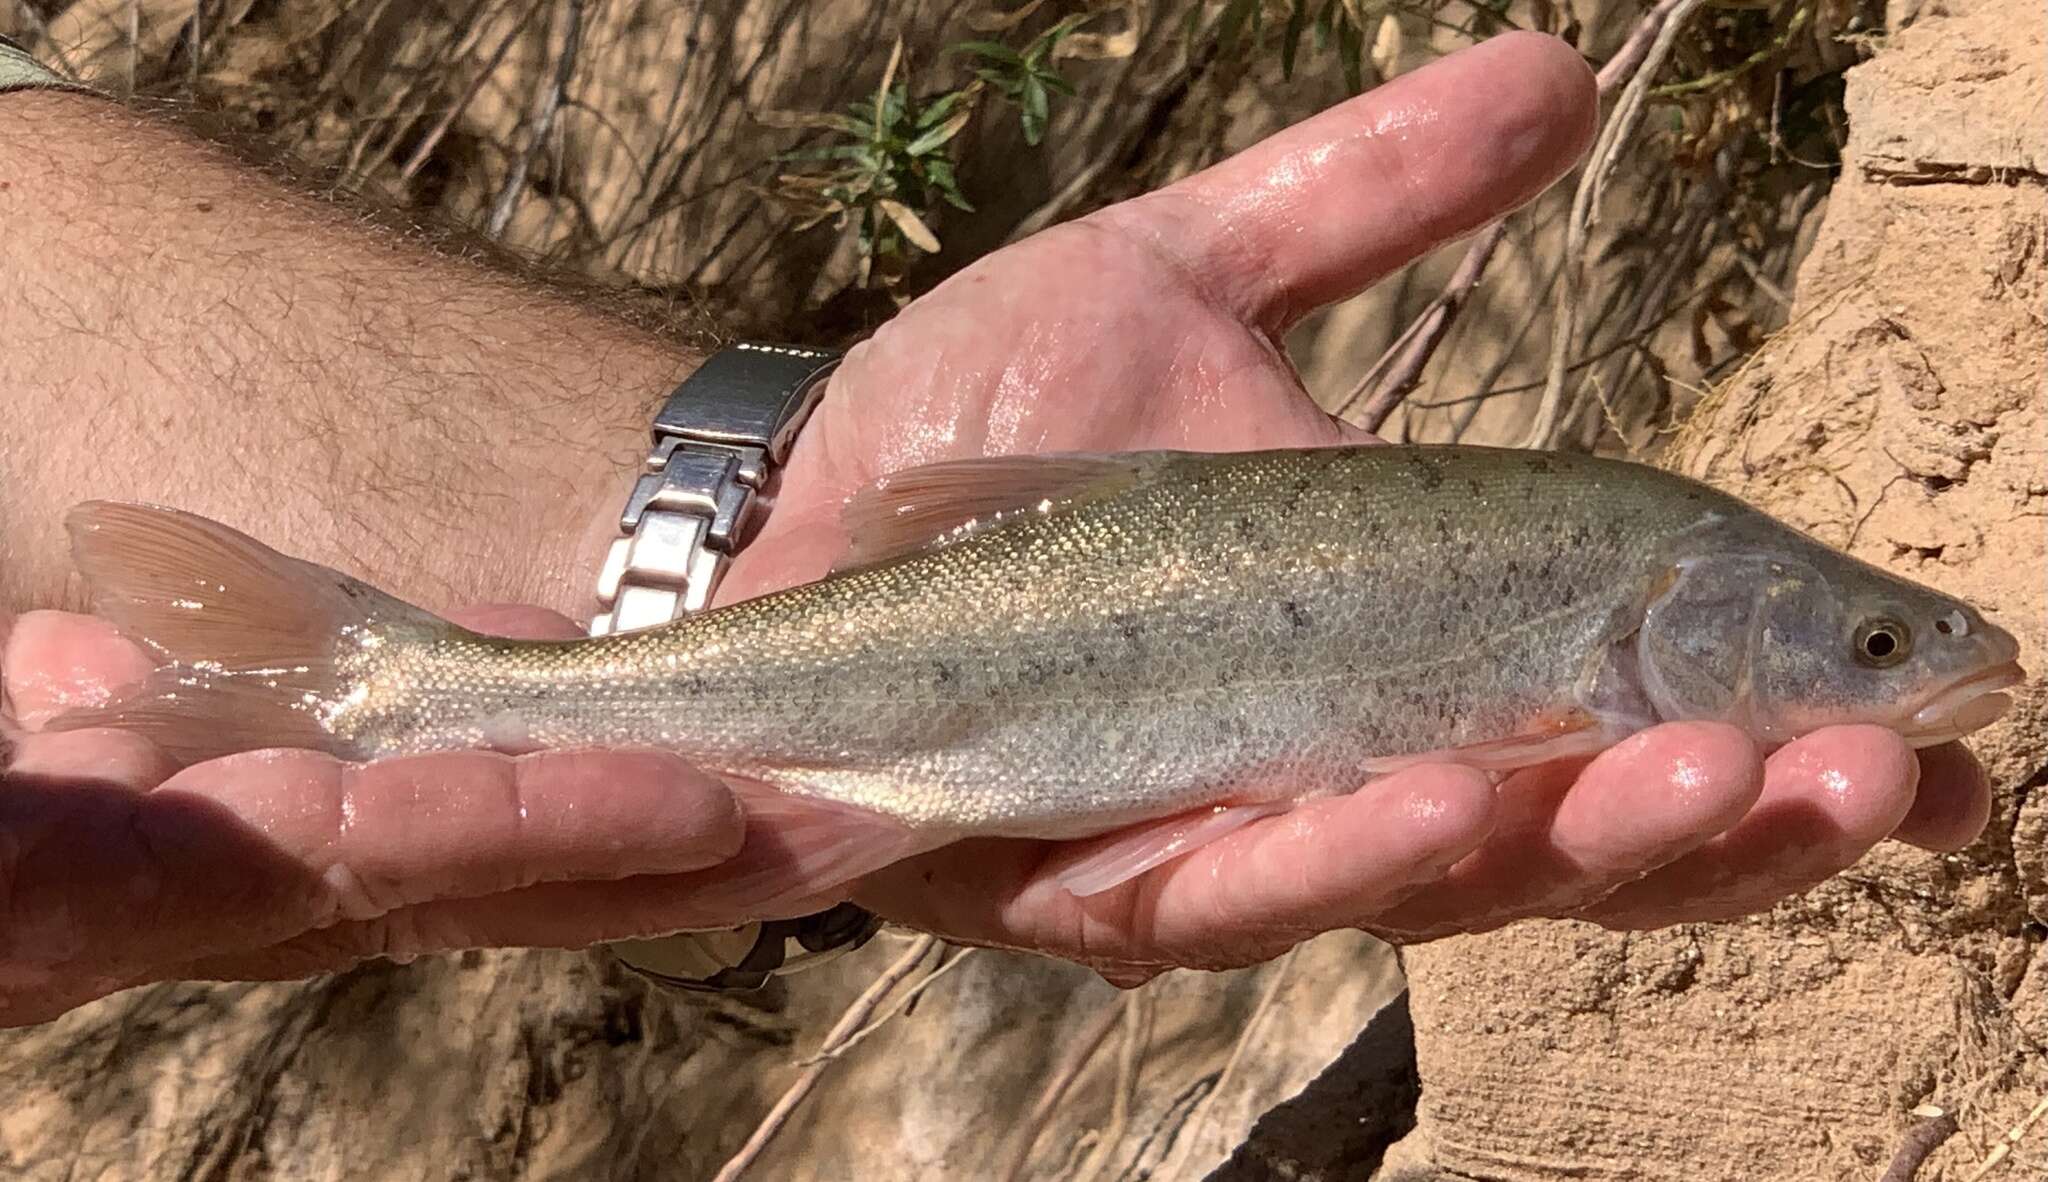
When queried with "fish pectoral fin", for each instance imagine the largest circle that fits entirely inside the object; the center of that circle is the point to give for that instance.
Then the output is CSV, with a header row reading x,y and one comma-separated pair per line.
x,y
916,509
1567,734
1121,857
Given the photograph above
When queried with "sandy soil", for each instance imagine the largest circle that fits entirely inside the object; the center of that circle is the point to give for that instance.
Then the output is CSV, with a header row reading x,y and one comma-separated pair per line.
x,y
1900,414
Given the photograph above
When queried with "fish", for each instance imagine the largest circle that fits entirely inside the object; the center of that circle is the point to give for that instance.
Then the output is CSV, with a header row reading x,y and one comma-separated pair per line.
x,y
1152,649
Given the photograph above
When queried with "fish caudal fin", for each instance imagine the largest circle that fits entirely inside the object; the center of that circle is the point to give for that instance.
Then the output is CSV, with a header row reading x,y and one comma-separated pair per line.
x,y
1123,857
249,641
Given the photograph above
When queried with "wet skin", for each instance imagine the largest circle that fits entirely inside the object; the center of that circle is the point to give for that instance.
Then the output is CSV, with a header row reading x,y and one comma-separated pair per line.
x,y
1152,324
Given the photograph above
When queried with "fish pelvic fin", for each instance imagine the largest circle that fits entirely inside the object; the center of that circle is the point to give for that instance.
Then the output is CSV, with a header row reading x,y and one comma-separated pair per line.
x,y
1117,859
255,649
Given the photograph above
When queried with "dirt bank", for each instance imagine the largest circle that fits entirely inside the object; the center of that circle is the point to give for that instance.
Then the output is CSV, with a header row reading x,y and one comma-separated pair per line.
x,y
1901,415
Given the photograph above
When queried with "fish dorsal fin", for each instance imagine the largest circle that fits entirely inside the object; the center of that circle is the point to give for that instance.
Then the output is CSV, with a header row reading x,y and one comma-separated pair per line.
x,y
930,506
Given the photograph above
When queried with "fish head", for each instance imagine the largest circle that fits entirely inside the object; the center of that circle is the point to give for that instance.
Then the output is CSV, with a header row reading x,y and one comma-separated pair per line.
x,y
1784,644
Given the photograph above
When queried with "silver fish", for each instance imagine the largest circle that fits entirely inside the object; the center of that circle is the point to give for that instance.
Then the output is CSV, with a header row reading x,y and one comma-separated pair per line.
x,y
1062,646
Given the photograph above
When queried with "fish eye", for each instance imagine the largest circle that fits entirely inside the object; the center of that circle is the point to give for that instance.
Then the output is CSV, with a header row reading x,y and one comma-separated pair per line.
x,y
1882,642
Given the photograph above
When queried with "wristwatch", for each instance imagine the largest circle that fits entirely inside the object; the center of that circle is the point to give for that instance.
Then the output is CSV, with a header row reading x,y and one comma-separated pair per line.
x,y
720,436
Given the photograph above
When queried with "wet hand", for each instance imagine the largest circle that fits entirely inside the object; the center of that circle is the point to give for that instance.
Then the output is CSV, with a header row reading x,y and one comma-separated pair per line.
x,y
1158,323
116,869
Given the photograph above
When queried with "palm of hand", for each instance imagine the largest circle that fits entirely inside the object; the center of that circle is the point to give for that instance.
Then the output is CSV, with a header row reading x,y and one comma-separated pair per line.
x,y
1153,324
1094,336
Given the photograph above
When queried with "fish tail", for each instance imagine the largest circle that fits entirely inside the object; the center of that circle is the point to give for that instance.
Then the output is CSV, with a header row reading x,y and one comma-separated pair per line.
x,y
255,649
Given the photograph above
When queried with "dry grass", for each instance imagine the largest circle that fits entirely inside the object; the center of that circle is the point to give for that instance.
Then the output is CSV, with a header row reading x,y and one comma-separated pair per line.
x,y
642,145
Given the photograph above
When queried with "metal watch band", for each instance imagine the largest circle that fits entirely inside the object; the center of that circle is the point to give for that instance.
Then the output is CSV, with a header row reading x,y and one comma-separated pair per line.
x,y
717,439
721,433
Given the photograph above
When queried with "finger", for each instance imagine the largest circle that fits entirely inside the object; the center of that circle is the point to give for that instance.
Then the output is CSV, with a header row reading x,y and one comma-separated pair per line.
x,y
249,851
1827,799
518,621
568,915
59,661
1953,801
97,755
1327,207
1570,837
460,824
1241,899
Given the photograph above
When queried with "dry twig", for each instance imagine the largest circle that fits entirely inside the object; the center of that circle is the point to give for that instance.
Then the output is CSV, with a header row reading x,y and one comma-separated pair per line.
x,y
2011,1139
545,105
1920,1140
1139,1008
896,1007
850,1022
1056,1088
1383,386
1620,127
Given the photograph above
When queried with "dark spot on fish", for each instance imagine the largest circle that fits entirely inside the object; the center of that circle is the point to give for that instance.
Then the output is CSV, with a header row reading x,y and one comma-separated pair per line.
x,y
1128,627
1247,528
1297,616
1538,463
1427,474
1443,525
1474,485
1507,586
942,672
1581,534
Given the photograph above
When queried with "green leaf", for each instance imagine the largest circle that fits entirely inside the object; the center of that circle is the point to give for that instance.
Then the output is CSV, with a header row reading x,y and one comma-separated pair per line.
x,y
1231,27
937,136
993,50
1007,83
1350,51
892,106
1035,109
939,171
829,152
1290,39
1055,83
940,108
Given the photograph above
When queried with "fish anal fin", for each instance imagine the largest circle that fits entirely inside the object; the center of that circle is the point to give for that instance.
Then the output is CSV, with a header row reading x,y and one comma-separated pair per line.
x,y
919,508
798,849
1121,857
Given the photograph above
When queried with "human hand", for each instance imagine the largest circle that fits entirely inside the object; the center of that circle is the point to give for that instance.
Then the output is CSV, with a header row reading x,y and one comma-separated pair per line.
x,y
1158,323
117,870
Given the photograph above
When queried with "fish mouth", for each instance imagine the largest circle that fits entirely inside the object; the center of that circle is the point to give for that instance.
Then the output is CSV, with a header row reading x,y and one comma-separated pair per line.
x,y
1968,706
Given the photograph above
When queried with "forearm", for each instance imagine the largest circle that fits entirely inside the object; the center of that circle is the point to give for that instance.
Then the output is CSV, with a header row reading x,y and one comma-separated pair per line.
x,y
177,328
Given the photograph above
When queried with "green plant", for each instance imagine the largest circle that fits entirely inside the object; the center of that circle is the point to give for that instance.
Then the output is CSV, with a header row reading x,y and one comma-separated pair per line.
x,y
1026,77
888,161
